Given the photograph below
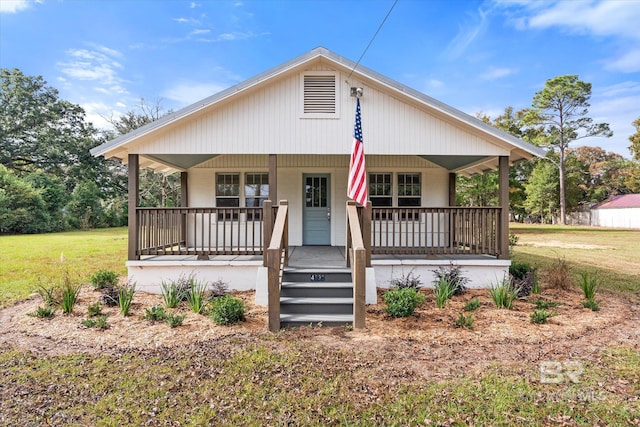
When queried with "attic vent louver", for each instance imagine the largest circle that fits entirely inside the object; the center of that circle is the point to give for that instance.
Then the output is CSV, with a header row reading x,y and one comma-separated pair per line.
x,y
320,94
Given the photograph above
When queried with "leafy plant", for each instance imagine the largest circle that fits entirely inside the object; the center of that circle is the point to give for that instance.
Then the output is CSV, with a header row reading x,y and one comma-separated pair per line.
x,y
125,297
99,322
559,275
219,288
227,310
155,313
50,295
524,277
172,293
443,290
513,239
472,305
543,305
588,284
591,304
464,321
43,312
94,309
540,316
69,297
110,296
103,279
174,319
504,293
402,302
406,281
196,295
453,275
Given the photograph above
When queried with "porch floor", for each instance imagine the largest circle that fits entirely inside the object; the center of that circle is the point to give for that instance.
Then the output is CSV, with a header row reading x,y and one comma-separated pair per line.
x,y
321,257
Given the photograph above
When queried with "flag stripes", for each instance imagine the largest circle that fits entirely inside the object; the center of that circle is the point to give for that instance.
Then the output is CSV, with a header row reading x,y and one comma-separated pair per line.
x,y
357,184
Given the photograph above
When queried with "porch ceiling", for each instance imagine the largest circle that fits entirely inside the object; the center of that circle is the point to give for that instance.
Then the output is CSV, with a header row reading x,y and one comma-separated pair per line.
x,y
179,161
455,163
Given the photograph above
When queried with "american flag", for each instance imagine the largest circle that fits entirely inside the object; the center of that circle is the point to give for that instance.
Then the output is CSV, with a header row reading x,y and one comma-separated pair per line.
x,y
357,186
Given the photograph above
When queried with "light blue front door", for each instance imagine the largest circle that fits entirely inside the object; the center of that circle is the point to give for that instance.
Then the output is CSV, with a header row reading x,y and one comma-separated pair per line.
x,y
316,214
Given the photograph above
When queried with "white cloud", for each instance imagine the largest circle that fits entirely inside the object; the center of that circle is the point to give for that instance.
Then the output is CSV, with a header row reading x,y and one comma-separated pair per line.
x,y
467,34
628,62
13,6
97,64
494,73
186,93
435,83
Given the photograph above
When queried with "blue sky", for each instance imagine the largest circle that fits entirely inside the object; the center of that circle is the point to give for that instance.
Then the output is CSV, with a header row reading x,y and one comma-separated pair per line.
x,y
477,56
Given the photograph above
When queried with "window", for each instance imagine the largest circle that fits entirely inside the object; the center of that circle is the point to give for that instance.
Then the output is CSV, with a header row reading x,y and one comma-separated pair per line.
x,y
380,192
256,191
228,193
409,190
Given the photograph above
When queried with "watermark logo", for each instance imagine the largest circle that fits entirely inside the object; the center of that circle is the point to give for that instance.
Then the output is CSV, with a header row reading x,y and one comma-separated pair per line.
x,y
552,372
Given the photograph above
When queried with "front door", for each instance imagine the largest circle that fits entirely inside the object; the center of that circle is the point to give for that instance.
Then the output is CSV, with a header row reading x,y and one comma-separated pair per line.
x,y
316,215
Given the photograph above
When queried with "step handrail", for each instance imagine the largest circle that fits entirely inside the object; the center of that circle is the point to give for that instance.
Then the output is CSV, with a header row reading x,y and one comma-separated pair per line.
x,y
357,259
277,258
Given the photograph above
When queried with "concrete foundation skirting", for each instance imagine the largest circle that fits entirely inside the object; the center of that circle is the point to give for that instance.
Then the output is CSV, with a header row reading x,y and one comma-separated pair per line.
x,y
251,275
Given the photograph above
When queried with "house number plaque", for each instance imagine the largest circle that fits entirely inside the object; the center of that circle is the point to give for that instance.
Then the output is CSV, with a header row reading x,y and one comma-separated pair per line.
x,y
317,278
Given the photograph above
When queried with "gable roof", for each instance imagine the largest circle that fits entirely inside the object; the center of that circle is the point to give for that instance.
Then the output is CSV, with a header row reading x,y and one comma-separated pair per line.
x,y
618,202
520,149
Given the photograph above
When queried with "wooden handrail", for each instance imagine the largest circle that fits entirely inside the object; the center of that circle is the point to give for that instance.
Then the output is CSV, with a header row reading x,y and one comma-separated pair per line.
x,y
357,258
277,258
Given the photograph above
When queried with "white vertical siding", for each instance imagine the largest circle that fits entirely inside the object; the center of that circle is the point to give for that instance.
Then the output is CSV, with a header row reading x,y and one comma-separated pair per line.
x,y
268,120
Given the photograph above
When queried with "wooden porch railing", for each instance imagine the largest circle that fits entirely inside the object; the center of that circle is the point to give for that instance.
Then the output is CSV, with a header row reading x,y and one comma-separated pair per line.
x,y
199,231
436,231
357,259
277,259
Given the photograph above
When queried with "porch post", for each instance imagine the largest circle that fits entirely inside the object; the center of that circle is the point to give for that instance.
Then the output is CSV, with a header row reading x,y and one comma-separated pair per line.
x,y
452,189
267,225
184,202
366,232
503,200
273,177
134,198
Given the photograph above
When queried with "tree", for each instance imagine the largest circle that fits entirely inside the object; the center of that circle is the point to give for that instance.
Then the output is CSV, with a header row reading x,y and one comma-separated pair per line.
x,y
635,140
560,109
22,208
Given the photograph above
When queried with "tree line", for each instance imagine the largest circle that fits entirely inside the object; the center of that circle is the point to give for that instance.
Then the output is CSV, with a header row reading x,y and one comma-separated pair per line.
x,y
50,182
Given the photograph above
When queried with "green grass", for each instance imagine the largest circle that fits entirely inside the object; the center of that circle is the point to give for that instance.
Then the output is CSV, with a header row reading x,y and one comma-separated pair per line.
x,y
292,384
613,254
29,260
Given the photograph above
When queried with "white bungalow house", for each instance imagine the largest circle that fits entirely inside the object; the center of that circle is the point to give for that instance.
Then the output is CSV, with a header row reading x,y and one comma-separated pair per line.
x,y
286,135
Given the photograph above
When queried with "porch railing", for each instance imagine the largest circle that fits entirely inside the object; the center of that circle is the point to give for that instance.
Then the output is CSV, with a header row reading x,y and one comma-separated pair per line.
x,y
199,231
357,260
435,231
277,258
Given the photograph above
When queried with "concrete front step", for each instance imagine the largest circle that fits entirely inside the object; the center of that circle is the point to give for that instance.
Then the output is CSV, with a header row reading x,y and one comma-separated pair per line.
x,y
295,320
317,275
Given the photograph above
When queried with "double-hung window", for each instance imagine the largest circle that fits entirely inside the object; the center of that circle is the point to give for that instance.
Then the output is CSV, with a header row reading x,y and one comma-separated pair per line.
x,y
228,193
256,191
407,192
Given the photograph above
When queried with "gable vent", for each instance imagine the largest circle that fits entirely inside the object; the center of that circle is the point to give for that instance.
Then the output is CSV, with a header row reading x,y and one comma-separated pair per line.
x,y
320,94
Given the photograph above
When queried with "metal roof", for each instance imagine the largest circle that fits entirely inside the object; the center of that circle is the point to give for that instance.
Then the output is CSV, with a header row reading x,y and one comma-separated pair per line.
x,y
618,202
346,64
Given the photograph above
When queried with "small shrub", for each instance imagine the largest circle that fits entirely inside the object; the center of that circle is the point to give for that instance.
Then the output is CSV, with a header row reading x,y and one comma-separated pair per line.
x,y
543,305
443,290
540,316
588,284
559,275
172,293
219,288
196,295
155,313
472,305
524,277
406,281
513,240
227,310
464,321
175,319
103,279
591,304
43,312
69,297
504,293
99,322
50,295
125,297
453,275
110,296
402,302
94,309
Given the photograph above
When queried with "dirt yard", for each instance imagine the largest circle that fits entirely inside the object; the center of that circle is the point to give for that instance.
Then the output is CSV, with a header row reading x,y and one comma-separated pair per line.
x,y
418,343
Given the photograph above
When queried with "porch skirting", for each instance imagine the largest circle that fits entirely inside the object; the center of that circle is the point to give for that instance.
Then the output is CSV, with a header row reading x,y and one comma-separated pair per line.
x,y
243,273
